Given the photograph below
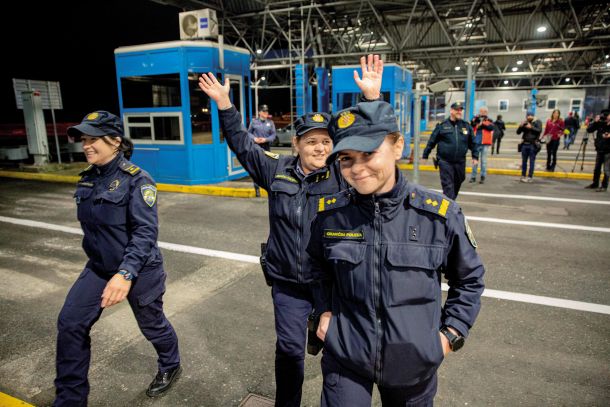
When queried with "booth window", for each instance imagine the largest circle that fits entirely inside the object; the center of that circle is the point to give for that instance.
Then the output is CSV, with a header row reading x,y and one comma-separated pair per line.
x,y
201,112
151,91
551,104
248,94
349,99
158,127
575,105
503,105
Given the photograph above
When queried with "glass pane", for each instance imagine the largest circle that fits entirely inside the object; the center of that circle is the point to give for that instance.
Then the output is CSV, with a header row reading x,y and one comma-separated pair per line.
x,y
248,94
138,119
201,112
140,133
167,128
151,91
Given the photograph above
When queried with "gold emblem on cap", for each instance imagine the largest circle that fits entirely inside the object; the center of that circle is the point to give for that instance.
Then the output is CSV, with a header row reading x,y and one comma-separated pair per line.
x,y
346,119
92,116
318,118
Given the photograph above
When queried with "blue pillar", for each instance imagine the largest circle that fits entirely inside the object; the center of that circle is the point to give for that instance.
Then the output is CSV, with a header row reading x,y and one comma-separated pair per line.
x,y
532,105
300,92
323,90
469,98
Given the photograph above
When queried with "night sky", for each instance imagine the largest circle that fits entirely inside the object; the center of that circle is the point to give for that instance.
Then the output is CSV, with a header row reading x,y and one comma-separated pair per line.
x,y
73,43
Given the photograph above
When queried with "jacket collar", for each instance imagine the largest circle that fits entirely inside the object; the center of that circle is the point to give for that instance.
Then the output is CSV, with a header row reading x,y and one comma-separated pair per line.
x,y
390,202
108,168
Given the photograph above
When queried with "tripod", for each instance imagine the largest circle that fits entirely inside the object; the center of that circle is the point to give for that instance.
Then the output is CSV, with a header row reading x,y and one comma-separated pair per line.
x,y
583,149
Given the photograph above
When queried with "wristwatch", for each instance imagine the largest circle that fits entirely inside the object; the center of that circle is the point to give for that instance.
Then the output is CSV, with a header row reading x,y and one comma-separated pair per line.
x,y
126,275
455,341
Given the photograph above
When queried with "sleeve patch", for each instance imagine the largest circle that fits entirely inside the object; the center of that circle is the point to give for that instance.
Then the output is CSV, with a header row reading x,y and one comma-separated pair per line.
x,y
149,194
469,234
275,156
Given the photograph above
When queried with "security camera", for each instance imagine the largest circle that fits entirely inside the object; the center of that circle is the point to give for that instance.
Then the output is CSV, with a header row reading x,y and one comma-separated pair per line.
x,y
440,86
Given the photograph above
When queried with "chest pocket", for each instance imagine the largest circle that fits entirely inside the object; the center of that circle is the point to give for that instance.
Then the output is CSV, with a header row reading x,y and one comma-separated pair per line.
x,y
110,207
350,272
283,193
83,203
412,273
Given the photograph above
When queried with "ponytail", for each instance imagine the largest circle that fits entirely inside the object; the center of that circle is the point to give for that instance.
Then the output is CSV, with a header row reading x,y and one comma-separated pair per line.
x,y
126,147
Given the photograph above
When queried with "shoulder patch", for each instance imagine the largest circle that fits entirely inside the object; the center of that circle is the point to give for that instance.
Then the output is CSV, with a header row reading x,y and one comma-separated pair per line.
x,y
334,201
469,234
149,194
429,201
275,156
129,168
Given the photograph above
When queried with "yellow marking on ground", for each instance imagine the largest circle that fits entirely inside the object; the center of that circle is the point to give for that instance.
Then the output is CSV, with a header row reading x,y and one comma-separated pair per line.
x,y
516,173
8,401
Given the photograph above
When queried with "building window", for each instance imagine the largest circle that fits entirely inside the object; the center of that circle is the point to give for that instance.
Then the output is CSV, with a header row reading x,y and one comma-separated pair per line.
x,y
158,127
503,105
551,104
151,91
575,105
201,112
526,104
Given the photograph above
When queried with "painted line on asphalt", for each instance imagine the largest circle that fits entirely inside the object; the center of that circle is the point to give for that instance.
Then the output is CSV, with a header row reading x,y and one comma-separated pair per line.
x,y
540,224
533,198
503,295
9,401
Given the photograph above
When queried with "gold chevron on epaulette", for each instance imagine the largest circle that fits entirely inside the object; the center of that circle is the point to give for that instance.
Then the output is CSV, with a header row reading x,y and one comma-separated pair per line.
x,y
430,203
322,176
129,168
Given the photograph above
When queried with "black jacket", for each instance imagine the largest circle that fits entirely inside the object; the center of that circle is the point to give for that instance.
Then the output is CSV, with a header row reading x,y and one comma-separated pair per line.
x,y
293,198
378,263
530,135
500,129
454,139
602,144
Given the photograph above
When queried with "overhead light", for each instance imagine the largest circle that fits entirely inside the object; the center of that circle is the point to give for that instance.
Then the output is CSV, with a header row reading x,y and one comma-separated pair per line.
x,y
607,56
263,78
607,64
259,51
541,29
519,62
506,82
567,79
457,68
515,69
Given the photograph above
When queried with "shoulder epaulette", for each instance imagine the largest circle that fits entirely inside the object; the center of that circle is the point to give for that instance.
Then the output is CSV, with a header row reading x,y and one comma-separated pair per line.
x,y
129,168
86,170
429,201
275,156
334,201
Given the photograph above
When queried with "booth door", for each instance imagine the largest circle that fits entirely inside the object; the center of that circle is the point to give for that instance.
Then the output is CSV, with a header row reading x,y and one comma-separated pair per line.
x,y
236,93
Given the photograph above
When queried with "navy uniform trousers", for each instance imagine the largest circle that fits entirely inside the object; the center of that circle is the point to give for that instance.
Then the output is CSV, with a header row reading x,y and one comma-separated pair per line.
x,y
83,308
452,175
292,304
343,387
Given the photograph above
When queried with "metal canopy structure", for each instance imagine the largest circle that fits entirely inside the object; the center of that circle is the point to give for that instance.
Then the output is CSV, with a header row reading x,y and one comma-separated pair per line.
x,y
512,44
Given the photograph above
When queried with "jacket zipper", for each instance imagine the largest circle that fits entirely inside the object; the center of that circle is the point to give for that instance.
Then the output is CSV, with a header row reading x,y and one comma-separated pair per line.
x,y
376,293
299,222
456,142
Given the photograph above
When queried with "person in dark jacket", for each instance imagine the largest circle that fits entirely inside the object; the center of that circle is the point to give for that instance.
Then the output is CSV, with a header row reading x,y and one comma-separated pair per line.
x,y
454,137
117,208
295,186
530,145
571,127
498,134
379,249
601,126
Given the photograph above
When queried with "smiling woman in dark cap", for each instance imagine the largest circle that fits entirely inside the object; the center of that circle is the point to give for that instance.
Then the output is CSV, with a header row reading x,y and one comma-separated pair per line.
x,y
295,186
378,251
116,206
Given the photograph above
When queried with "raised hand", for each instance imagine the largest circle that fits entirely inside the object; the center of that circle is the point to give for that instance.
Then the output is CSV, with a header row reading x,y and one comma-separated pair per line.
x,y
372,71
217,92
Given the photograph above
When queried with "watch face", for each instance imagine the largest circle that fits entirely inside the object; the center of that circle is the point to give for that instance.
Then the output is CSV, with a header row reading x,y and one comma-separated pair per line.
x,y
457,343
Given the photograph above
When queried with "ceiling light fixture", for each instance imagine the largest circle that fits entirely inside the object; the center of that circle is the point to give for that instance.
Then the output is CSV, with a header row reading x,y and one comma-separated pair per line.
x,y
519,62
457,68
515,69
541,29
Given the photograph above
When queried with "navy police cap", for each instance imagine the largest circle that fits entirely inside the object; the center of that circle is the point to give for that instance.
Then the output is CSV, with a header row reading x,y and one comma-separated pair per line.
x,y
457,105
98,124
362,127
311,121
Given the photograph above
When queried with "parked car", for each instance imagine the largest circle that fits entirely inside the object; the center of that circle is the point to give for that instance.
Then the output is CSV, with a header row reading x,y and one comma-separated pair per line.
x,y
284,136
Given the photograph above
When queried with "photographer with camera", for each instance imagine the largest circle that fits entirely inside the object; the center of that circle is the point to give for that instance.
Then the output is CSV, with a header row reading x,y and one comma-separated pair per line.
x,y
529,145
483,128
601,127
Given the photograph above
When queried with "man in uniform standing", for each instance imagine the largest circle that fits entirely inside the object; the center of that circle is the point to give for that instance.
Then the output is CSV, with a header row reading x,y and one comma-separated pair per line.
x,y
454,137
262,132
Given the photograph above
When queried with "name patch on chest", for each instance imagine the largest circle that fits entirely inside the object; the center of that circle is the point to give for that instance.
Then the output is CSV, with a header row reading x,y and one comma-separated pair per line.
x,y
344,234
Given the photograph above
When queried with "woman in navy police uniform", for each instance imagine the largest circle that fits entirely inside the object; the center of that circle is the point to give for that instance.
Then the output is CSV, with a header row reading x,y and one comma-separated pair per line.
x,y
117,208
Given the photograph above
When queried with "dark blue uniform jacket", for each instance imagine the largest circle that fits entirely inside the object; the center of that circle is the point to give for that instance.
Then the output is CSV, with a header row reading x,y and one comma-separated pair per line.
x,y
293,199
377,264
116,205
454,139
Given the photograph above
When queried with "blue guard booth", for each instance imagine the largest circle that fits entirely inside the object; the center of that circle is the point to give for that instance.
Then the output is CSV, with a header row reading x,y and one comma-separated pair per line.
x,y
396,88
173,124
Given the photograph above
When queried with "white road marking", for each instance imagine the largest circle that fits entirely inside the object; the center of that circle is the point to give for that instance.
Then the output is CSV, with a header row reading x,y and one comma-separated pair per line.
x,y
504,295
534,198
540,224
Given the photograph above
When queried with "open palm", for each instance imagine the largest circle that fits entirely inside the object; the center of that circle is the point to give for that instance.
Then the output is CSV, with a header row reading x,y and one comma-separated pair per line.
x,y
217,92
372,72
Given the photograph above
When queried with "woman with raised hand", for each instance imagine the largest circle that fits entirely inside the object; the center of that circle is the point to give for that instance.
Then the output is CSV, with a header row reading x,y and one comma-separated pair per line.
x,y
295,185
